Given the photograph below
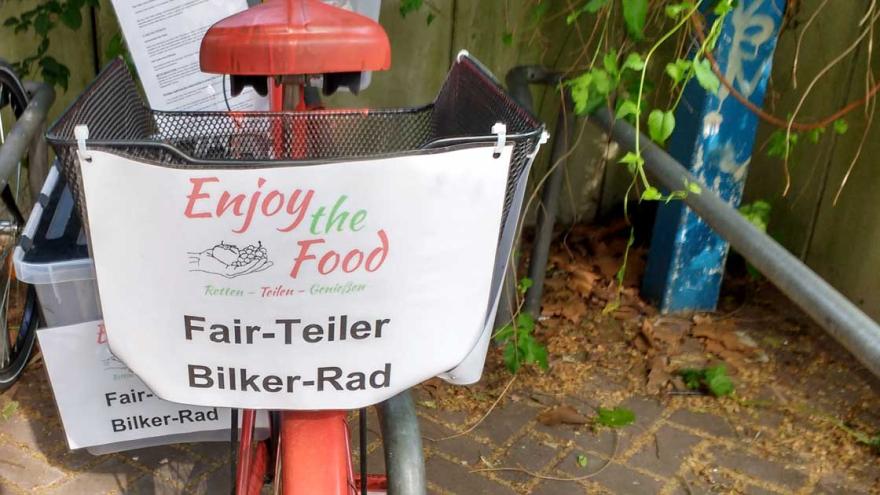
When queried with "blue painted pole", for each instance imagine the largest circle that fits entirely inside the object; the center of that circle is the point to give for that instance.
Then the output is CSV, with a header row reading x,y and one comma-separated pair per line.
x,y
714,137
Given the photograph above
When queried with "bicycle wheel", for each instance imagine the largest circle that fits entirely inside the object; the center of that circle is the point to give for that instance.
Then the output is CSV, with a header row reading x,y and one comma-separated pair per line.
x,y
18,301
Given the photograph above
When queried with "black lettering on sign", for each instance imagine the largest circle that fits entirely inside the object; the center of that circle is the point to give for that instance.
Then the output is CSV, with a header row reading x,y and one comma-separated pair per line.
x,y
200,376
330,375
188,326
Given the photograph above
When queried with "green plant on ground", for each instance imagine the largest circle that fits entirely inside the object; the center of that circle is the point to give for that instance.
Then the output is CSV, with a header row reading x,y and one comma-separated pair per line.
x,y
713,380
615,418
517,339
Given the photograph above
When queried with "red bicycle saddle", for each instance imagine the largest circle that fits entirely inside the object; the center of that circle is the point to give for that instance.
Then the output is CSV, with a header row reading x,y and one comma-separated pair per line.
x,y
293,37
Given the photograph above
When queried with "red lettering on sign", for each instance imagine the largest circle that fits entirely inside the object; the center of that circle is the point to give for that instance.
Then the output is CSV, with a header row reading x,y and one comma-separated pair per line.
x,y
197,194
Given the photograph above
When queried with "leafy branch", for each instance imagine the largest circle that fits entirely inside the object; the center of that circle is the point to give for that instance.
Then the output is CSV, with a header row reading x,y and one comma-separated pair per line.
x,y
41,20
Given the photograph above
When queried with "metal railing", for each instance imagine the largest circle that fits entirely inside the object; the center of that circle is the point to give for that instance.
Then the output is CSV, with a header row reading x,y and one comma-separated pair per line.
x,y
842,319
26,138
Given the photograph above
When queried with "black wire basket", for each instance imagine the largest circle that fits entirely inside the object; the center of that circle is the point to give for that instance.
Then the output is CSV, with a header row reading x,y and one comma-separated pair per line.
x,y
119,121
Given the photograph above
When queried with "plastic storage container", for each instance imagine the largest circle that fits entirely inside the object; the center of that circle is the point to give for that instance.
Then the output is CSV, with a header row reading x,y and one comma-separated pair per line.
x,y
53,257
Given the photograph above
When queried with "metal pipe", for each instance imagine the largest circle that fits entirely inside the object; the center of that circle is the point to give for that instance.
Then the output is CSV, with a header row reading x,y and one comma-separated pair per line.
x,y
402,441
563,135
38,162
843,320
26,128
518,80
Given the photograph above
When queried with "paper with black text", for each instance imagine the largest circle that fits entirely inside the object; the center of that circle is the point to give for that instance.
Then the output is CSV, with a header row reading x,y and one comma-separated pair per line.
x,y
163,37
106,408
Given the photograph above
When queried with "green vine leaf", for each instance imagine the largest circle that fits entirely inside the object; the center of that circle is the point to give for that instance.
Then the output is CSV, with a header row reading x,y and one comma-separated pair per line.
x,y
678,70
539,11
590,7
71,16
42,24
780,147
601,82
54,72
507,38
409,6
840,126
723,7
675,10
660,125
814,135
635,13
634,62
609,62
757,213
590,89
626,108
632,159
707,79
651,194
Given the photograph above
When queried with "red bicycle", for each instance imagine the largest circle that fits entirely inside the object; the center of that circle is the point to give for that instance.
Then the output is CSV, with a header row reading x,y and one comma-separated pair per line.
x,y
289,50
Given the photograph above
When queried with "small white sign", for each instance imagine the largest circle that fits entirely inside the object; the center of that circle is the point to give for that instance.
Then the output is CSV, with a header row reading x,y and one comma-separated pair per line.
x,y
330,286
105,407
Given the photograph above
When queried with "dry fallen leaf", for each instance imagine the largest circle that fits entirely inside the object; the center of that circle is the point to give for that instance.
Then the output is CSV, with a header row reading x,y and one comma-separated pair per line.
x,y
626,312
571,309
554,283
574,311
659,375
722,339
726,334
608,265
583,280
562,415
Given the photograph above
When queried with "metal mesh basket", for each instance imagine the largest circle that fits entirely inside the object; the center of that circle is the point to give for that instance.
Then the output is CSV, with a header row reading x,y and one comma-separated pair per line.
x,y
119,121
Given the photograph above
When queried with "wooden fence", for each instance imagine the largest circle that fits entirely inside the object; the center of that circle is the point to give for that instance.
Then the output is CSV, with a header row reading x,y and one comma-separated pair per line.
x,y
838,241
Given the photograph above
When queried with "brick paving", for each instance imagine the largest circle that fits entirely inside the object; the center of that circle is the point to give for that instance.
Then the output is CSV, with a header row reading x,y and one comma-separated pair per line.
x,y
653,456
677,445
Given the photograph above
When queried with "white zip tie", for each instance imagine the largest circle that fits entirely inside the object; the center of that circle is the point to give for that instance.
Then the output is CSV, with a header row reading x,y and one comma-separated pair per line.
x,y
545,136
500,130
81,132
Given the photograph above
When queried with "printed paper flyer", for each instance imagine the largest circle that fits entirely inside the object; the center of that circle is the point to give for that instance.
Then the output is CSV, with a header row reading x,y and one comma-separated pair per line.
x,y
105,407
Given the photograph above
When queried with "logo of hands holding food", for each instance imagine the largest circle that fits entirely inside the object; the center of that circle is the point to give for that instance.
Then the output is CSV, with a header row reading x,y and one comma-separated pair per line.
x,y
230,261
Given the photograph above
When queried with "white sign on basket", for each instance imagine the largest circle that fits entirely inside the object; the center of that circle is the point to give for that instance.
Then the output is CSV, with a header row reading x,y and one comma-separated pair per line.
x,y
106,408
331,286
